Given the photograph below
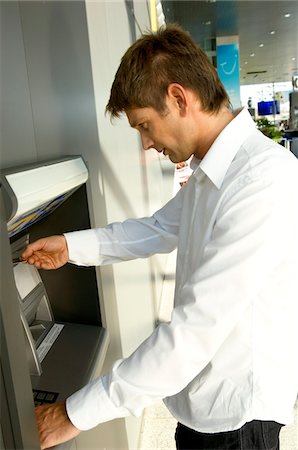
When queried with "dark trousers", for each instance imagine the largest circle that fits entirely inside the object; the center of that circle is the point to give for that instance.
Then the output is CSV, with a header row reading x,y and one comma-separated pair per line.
x,y
255,435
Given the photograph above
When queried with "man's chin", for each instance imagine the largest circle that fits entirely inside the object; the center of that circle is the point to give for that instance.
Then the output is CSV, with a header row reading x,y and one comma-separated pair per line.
x,y
173,159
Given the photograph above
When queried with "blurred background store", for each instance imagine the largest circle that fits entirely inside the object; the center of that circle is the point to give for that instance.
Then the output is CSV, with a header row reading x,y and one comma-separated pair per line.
x,y
254,45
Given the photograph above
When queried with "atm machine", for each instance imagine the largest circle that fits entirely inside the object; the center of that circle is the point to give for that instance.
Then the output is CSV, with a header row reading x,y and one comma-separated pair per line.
x,y
64,342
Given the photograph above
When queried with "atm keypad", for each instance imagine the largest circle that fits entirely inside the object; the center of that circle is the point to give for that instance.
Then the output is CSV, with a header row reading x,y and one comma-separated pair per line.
x,y
44,397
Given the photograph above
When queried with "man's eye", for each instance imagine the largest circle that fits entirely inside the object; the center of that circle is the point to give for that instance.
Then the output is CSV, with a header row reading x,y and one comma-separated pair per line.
x,y
144,126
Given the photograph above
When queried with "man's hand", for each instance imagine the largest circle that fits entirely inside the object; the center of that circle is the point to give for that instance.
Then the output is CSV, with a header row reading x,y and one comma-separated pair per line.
x,y
54,425
47,253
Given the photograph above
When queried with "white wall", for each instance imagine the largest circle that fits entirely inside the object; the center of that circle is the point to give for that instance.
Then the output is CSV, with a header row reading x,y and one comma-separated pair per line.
x,y
59,60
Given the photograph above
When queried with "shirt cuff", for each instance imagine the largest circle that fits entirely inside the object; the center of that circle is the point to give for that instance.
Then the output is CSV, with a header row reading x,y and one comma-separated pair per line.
x,y
83,247
91,405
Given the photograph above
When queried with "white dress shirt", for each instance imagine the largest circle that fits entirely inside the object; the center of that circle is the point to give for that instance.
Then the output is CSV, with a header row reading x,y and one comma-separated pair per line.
x,y
229,353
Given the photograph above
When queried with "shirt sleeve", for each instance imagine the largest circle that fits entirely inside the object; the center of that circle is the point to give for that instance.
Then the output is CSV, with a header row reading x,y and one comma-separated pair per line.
x,y
131,239
235,263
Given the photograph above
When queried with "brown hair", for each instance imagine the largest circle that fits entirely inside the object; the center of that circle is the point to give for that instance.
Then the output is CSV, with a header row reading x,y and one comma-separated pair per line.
x,y
153,62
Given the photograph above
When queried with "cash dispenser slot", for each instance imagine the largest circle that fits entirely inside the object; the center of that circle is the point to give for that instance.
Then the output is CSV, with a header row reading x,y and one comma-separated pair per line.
x,y
60,311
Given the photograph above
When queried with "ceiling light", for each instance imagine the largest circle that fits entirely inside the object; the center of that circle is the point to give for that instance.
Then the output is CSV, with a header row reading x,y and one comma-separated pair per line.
x,y
287,15
272,32
245,62
293,59
252,54
261,45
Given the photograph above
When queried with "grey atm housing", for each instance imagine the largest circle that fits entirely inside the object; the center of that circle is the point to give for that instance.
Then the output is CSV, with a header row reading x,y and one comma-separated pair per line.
x,y
63,307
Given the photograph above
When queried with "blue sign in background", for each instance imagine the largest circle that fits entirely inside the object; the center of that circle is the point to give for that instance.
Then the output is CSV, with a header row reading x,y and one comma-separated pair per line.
x,y
228,71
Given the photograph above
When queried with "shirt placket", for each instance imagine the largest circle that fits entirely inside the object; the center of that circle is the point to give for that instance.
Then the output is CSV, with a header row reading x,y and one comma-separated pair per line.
x,y
190,241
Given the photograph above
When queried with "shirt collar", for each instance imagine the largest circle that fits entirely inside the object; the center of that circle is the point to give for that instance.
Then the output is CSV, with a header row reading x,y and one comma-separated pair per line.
x,y
217,160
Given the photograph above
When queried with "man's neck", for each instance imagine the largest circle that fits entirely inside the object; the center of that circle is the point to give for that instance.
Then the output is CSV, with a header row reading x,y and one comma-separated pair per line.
x,y
210,127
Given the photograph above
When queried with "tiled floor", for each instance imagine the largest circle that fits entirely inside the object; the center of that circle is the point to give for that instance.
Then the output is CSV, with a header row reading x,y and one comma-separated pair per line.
x,y
158,427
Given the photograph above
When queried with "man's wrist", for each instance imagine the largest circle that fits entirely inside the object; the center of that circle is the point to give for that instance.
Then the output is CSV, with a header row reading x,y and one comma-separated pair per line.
x,y
91,405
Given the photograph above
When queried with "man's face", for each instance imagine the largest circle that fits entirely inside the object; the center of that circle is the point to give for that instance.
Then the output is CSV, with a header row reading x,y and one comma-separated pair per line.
x,y
166,133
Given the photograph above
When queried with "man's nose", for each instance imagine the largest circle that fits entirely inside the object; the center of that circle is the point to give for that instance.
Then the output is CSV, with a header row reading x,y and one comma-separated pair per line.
x,y
147,143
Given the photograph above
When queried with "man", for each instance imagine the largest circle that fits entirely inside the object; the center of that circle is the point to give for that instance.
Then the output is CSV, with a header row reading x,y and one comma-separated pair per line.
x,y
226,364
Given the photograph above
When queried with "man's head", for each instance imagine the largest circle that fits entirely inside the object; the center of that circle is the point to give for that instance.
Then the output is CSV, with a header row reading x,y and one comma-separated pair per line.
x,y
155,61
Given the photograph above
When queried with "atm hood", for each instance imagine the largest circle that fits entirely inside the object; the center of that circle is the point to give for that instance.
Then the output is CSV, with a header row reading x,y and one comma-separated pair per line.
x,y
34,191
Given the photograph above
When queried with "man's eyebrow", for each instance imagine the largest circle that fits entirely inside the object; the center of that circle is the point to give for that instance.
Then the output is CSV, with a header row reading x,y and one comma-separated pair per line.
x,y
135,123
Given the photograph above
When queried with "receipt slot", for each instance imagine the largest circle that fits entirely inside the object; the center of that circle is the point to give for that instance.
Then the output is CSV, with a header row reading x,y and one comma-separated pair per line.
x,y
65,342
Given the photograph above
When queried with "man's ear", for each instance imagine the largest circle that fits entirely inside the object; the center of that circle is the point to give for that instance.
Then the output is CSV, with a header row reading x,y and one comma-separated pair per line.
x,y
178,96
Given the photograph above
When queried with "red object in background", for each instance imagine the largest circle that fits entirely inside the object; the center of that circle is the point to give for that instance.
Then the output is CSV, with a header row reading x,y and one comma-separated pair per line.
x,y
183,172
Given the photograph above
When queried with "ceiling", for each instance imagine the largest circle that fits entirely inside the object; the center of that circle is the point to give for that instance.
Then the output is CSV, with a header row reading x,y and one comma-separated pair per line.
x,y
262,27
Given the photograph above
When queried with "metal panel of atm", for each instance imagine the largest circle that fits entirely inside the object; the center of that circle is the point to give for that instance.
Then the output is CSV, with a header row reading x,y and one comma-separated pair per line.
x,y
60,309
